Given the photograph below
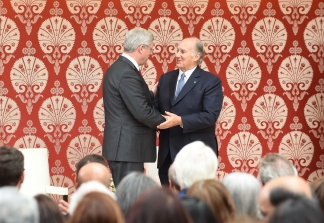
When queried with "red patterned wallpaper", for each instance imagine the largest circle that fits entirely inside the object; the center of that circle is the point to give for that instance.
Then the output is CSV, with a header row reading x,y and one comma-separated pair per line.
x,y
269,55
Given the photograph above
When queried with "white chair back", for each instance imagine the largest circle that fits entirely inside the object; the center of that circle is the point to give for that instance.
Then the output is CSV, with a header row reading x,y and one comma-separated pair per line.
x,y
37,176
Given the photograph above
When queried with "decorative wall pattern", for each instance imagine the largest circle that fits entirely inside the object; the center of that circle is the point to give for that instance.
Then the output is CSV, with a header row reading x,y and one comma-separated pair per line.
x,y
269,55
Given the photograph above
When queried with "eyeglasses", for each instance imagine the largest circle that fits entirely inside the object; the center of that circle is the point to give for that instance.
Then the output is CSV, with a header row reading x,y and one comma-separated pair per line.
x,y
151,48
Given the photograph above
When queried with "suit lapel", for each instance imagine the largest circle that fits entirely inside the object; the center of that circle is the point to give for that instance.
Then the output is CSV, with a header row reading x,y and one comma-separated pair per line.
x,y
191,82
173,84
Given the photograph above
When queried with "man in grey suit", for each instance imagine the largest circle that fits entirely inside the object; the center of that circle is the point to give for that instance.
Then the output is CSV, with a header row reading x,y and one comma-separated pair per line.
x,y
130,118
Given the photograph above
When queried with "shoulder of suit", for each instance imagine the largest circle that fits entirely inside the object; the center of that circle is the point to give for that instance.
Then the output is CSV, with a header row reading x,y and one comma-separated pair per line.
x,y
172,72
207,73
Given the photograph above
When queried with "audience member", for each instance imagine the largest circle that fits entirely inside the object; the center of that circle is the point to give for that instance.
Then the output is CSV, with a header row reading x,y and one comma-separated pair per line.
x,y
158,205
92,158
130,187
199,210
17,208
194,162
173,183
244,189
292,184
273,165
85,188
297,210
318,188
94,171
48,210
97,207
245,219
11,167
216,196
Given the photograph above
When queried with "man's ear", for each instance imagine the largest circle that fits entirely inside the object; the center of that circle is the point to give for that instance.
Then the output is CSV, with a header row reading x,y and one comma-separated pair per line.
x,y
171,186
75,181
21,180
196,57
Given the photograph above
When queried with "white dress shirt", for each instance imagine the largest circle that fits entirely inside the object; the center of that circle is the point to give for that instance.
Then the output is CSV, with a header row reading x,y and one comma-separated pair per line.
x,y
187,75
131,59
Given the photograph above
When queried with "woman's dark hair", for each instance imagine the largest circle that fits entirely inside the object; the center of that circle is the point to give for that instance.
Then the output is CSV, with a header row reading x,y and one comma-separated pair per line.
x,y
11,166
297,210
49,211
199,210
158,205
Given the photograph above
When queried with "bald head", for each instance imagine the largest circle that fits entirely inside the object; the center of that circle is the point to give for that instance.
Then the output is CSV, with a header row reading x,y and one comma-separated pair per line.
x,y
94,171
288,185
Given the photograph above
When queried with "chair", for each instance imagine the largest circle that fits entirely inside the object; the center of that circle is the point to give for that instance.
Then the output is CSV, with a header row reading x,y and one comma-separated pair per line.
x,y
37,176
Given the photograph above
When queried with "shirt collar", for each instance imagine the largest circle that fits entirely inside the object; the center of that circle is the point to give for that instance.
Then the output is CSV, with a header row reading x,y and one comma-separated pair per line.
x,y
188,73
131,59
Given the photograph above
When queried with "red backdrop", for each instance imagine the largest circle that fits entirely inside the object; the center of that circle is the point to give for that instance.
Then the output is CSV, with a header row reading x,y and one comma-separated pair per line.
x,y
269,55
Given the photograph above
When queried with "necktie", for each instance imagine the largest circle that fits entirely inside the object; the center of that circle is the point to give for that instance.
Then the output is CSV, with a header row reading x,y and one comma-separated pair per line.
x,y
180,85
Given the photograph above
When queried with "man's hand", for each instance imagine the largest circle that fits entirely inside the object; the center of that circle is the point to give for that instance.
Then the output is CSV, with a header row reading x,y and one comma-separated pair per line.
x,y
171,120
154,88
63,206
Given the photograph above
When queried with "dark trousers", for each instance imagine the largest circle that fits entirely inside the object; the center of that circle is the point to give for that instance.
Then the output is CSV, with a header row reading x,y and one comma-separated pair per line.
x,y
164,169
120,169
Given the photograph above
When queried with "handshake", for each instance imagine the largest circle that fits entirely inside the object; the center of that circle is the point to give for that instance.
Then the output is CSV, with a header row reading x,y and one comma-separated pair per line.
x,y
171,120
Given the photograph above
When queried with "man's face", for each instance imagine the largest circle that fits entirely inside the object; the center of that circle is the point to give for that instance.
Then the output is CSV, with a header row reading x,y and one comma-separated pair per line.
x,y
146,50
265,207
185,59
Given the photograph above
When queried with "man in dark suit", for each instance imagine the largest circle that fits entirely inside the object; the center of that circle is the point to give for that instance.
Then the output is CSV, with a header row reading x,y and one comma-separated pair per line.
x,y
195,99
130,118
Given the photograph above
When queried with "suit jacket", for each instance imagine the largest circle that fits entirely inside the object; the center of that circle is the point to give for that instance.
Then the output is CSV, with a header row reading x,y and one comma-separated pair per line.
x,y
130,118
198,103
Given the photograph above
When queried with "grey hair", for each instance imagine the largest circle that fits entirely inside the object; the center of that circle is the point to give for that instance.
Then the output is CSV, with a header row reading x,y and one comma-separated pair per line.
x,y
195,162
273,165
16,207
85,188
199,49
136,37
244,189
130,187
173,177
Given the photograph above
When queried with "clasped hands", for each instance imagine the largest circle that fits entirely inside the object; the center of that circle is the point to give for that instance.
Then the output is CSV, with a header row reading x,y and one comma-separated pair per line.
x,y
171,120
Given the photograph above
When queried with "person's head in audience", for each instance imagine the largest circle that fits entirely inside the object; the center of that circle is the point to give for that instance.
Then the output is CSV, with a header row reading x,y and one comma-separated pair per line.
x,y
217,197
158,205
173,183
85,188
16,207
11,167
199,210
48,210
94,171
195,161
245,219
97,207
280,189
244,189
130,187
318,188
297,210
91,158
273,165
